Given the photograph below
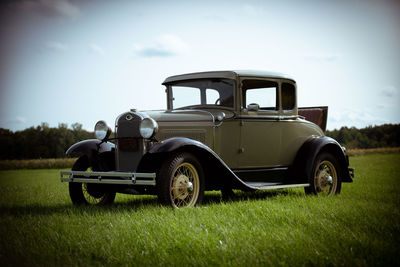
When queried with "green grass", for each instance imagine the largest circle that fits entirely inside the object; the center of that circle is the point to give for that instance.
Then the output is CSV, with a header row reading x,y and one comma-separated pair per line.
x,y
16,164
39,225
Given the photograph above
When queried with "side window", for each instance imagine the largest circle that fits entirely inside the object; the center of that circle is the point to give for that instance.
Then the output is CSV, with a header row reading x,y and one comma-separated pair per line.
x,y
185,96
261,92
212,97
288,96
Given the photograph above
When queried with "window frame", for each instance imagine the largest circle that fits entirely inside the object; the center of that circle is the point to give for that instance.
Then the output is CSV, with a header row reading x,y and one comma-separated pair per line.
x,y
243,106
294,96
170,97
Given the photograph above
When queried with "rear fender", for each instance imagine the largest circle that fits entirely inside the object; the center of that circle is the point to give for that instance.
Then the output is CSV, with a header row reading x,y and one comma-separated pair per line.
x,y
306,156
217,173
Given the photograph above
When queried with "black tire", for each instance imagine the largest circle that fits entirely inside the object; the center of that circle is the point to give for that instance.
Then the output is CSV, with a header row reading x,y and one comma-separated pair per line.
x,y
88,194
180,181
326,176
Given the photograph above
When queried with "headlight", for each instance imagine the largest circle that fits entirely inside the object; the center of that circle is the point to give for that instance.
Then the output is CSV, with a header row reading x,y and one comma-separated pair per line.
x,y
148,127
101,130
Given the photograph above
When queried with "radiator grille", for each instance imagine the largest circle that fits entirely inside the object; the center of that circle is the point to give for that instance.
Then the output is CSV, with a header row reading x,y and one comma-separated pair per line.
x,y
129,142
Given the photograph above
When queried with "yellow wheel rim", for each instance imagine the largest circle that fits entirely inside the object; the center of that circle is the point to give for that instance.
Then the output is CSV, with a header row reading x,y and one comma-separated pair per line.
x,y
325,178
185,186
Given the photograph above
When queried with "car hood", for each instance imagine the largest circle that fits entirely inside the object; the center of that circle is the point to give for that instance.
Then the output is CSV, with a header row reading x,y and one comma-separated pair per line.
x,y
186,115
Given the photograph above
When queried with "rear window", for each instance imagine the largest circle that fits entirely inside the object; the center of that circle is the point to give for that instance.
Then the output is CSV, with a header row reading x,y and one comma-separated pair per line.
x,y
288,96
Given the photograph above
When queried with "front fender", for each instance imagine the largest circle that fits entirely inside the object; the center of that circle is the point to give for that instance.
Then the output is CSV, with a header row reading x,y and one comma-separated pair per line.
x,y
89,147
218,174
306,156
176,143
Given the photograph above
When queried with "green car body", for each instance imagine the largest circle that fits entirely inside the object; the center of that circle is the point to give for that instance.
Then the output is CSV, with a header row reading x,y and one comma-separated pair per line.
x,y
222,130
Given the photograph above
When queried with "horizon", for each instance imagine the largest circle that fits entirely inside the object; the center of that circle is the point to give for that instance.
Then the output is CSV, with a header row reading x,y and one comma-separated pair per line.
x,y
67,61
69,126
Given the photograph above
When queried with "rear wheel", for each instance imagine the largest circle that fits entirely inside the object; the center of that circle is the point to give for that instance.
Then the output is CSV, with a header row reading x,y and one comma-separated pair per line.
x,y
88,193
180,181
326,176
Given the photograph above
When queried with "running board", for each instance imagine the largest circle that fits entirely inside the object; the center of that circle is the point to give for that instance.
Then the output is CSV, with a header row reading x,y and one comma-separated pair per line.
x,y
270,186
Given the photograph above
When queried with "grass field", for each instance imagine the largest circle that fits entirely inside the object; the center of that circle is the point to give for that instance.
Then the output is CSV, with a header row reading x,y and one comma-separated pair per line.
x,y
16,164
361,226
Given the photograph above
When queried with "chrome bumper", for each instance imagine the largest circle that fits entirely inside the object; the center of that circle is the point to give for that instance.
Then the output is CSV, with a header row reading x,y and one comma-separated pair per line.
x,y
125,178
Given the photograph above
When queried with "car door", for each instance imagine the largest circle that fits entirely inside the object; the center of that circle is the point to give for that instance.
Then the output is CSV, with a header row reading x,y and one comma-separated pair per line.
x,y
260,134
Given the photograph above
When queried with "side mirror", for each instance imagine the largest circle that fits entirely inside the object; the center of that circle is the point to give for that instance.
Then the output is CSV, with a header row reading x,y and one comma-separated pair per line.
x,y
253,107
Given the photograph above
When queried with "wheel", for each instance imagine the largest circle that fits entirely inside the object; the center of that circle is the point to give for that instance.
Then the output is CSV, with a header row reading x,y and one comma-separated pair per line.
x,y
326,176
180,181
88,193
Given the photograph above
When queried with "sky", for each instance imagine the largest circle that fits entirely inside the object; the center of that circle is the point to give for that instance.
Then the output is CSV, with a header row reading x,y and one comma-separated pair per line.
x,y
67,61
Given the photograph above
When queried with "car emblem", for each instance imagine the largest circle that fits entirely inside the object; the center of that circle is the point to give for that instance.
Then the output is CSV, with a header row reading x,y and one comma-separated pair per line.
x,y
129,117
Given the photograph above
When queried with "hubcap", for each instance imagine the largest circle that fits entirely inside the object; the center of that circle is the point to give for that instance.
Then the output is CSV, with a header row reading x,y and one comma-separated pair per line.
x,y
180,187
325,178
185,186
189,186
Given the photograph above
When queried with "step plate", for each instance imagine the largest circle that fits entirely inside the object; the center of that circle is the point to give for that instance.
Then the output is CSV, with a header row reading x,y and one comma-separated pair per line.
x,y
270,186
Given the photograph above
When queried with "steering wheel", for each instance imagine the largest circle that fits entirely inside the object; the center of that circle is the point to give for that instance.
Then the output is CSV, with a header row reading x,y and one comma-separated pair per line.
x,y
217,101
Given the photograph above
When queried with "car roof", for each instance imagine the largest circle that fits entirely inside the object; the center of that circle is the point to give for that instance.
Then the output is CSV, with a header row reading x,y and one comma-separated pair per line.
x,y
231,74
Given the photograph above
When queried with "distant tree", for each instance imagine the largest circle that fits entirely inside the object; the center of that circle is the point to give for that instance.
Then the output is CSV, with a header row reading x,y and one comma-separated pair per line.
x,y
387,135
45,142
41,141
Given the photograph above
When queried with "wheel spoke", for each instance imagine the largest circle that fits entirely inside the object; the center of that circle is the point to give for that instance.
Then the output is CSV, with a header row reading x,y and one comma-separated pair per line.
x,y
179,195
92,200
185,202
177,187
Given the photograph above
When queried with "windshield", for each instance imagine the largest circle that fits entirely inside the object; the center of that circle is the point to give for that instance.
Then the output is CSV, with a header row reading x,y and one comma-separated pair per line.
x,y
205,92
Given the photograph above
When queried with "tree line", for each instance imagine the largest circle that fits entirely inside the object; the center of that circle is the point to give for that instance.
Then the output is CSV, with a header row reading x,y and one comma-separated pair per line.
x,y
387,135
45,142
41,141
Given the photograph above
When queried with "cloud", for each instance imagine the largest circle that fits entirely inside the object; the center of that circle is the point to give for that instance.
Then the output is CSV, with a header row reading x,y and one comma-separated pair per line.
x,y
353,117
164,46
252,10
96,49
57,46
14,123
389,91
323,57
17,120
49,8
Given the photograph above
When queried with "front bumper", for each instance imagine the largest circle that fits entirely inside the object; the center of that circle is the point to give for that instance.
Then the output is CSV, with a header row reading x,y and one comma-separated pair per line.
x,y
351,172
123,178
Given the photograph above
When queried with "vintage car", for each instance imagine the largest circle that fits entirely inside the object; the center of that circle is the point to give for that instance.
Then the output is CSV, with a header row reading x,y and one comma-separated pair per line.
x,y
222,130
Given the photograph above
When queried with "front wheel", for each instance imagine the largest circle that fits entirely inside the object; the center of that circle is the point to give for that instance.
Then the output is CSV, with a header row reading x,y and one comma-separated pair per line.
x,y
88,193
325,177
180,181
